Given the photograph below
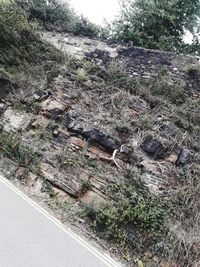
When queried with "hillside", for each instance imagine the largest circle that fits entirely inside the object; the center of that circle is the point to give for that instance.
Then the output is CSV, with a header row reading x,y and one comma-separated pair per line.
x,y
107,137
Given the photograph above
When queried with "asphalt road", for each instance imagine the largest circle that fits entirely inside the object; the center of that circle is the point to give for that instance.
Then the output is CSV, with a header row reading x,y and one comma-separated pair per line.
x,y
29,237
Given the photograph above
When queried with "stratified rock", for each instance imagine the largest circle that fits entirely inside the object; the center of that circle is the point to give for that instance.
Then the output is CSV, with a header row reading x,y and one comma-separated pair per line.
x,y
172,158
94,196
129,155
92,135
75,113
151,166
41,95
106,141
68,181
98,54
68,121
40,122
59,181
8,167
153,147
153,182
53,107
13,120
183,157
61,137
38,95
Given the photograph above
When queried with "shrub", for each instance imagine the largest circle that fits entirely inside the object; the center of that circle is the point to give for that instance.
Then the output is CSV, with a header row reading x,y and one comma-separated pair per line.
x,y
158,23
135,210
19,41
194,74
49,13
54,15
84,27
175,93
12,147
20,45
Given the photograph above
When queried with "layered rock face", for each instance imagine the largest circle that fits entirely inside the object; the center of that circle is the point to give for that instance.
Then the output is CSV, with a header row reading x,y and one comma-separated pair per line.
x,y
111,115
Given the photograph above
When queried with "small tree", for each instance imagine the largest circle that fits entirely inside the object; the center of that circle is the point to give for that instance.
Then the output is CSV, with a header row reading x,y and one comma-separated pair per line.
x,y
49,12
58,15
156,23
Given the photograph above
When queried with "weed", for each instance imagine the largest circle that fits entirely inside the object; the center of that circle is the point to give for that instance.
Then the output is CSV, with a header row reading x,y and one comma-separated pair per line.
x,y
69,159
63,206
182,239
19,107
115,74
134,209
194,74
146,121
174,93
47,134
97,166
85,186
81,75
11,146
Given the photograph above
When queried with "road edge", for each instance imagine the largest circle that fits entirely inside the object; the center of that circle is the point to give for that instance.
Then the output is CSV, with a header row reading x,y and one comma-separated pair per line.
x,y
103,257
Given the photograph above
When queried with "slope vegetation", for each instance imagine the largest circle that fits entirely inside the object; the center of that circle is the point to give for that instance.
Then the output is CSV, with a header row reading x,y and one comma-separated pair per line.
x,y
109,142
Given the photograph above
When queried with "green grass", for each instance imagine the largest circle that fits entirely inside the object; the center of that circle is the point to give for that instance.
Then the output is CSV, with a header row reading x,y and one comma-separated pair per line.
x,y
11,146
3,2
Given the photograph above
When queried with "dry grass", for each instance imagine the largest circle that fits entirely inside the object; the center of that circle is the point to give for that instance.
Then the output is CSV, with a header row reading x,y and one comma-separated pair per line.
x,y
182,244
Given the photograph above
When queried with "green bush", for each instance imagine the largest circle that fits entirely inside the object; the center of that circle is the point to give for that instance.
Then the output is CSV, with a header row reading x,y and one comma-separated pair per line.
x,y
20,45
157,24
19,41
11,147
49,13
134,209
84,27
54,15
174,92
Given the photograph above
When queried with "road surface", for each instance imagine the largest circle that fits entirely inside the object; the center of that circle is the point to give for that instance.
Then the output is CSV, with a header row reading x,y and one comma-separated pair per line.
x,y
29,237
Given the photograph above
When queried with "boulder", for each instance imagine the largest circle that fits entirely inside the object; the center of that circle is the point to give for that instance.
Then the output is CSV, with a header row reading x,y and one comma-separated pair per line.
x,y
106,141
92,135
153,147
183,157
14,121
53,107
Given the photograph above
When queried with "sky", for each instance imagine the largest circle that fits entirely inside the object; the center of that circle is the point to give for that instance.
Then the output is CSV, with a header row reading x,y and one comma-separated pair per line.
x,y
96,10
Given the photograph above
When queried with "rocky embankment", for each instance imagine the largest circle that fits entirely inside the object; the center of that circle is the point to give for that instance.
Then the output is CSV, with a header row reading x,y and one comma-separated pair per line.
x,y
93,128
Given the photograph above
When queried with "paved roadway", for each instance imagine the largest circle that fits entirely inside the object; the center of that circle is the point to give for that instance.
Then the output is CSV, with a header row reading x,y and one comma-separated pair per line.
x,y
29,237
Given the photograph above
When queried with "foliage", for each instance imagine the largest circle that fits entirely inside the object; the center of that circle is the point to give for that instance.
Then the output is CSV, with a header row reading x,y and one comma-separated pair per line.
x,y
85,185
18,39
174,92
11,146
20,45
84,27
156,23
81,75
48,12
194,74
54,15
134,208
